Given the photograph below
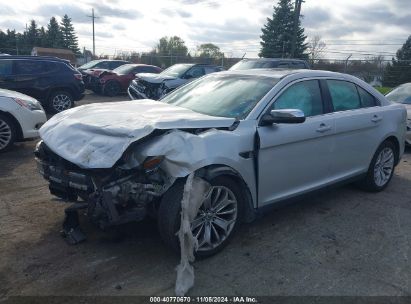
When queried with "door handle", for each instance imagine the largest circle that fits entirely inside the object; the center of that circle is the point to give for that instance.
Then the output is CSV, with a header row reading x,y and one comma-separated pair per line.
x,y
376,118
323,128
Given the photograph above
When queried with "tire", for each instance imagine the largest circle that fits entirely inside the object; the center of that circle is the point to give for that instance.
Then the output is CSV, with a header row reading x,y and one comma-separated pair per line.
x,y
381,168
170,209
111,88
7,133
60,100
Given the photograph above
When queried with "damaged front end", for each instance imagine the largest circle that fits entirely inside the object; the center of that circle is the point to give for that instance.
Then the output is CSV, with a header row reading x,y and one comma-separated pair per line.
x,y
110,196
142,89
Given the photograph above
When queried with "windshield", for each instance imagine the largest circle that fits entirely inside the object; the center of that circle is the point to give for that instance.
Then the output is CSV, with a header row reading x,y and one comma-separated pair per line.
x,y
89,65
176,70
231,96
124,69
247,65
401,94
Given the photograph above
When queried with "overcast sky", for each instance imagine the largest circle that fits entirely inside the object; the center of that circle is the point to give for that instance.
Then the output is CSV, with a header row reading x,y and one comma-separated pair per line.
x,y
347,26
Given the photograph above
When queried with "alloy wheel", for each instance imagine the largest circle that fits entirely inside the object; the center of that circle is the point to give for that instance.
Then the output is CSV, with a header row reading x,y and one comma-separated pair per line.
x,y
384,167
215,219
61,102
5,134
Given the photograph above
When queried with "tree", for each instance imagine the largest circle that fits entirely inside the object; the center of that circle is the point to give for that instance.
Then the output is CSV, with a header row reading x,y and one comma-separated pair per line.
x,y
278,32
315,48
54,34
170,48
209,50
399,71
32,34
70,40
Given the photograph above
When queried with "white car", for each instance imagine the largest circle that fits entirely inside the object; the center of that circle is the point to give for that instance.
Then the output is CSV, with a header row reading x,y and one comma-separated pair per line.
x,y
257,137
21,117
402,94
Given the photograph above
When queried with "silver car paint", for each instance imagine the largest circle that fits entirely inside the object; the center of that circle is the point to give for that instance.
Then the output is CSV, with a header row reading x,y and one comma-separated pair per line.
x,y
293,159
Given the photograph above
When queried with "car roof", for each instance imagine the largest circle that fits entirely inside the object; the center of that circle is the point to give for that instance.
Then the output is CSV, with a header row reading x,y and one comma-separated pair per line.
x,y
274,59
49,58
282,73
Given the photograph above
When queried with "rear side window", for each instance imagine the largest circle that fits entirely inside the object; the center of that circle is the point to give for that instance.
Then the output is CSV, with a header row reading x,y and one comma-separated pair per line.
x,y
344,95
282,65
145,69
304,96
367,100
29,67
298,65
115,64
5,67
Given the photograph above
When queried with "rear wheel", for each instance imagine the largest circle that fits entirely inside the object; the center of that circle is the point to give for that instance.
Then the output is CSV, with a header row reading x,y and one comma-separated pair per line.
x,y
216,220
111,88
60,101
7,133
381,168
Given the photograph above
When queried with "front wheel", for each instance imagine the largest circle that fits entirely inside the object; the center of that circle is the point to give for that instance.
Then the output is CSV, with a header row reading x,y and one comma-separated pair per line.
x,y
60,101
216,220
381,168
7,133
112,88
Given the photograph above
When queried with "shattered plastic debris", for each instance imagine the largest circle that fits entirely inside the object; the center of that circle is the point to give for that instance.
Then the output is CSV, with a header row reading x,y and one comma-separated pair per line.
x,y
195,190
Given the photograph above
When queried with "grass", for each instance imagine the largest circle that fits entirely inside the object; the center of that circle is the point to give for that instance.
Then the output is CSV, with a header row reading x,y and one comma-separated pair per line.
x,y
383,90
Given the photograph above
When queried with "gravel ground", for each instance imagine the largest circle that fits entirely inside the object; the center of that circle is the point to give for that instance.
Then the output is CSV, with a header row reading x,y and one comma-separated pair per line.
x,y
342,242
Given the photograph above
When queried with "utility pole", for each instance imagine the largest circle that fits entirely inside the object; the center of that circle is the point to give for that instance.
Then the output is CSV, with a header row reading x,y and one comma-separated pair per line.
x,y
346,63
297,12
94,40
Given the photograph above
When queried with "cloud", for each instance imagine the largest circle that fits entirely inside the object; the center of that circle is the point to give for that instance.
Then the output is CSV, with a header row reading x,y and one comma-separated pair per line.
x,y
104,10
76,13
315,16
6,10
12,25
175,13
229,31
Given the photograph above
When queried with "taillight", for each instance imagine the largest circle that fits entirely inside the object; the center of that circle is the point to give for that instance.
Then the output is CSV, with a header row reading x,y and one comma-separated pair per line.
x,y
78,76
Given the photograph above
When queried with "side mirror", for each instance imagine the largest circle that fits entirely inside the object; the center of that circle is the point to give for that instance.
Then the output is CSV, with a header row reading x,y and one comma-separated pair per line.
x,y
287,116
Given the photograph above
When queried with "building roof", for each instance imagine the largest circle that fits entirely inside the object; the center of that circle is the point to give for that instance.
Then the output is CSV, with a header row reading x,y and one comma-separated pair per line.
x,y
53,50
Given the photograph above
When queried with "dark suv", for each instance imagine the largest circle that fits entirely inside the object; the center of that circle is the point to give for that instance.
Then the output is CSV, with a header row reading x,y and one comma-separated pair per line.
x,y
270,63
52,81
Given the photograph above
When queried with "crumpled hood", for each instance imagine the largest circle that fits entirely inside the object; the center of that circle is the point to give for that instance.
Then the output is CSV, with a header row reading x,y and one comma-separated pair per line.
x,y
96,135
154,78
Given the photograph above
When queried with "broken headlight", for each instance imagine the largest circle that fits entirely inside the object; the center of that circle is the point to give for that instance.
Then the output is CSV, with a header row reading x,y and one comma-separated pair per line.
x,y
152,163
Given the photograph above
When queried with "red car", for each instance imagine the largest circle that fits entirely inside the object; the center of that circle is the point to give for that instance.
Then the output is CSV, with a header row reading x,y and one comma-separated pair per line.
x,y
111,83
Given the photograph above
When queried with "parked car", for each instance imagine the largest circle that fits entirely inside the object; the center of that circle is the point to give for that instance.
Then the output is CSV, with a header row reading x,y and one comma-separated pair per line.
x,y
155,86
111,83
270,63
257,137
102,64
52,81
21,117
95,67
402,94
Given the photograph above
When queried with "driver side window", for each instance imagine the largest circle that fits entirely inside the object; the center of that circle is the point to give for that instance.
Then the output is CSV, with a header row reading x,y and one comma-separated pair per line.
x,y
304,96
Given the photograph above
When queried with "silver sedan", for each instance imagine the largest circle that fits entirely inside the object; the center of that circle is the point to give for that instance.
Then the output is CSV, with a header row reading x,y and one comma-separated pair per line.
x,y
255,137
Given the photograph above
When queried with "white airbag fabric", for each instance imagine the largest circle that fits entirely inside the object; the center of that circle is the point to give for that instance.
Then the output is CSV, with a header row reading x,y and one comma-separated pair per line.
x,y
195,190
96,135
